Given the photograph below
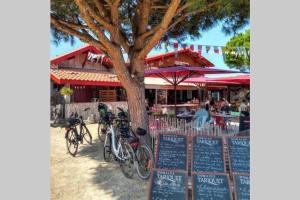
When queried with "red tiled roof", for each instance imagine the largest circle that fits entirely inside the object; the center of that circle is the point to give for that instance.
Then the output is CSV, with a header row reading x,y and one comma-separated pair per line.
x,y
84,77
195,56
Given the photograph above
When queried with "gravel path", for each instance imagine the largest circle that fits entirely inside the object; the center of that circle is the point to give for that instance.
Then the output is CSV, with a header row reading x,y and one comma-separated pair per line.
x,y
87,176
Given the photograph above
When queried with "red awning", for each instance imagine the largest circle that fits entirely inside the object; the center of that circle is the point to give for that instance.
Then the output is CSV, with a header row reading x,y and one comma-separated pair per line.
x,y
184,70
206,80
241,79
84,77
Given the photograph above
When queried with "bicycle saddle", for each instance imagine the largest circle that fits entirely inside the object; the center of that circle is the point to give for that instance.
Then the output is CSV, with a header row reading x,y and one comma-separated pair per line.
x,y
141,131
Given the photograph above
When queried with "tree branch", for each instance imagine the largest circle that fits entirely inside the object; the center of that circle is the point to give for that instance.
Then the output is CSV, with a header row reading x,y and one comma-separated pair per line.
x,y
93,14
181,18
96,29
162,28
70,24
82,36
143,15
101,9
115,34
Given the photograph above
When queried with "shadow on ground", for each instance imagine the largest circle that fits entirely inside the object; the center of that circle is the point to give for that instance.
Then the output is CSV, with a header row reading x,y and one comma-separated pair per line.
x,y
108,176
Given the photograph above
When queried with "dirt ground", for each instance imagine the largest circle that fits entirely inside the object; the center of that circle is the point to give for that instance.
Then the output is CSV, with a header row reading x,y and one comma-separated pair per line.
x,y
87,176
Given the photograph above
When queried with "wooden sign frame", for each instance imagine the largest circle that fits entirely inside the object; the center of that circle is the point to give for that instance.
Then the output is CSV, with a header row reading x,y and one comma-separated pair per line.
x,y
166,170
230,168
234,182
223,153
208,173
157,147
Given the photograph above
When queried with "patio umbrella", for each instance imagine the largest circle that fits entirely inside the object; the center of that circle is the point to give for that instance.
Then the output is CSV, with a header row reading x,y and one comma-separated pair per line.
x,y
177,74
202,81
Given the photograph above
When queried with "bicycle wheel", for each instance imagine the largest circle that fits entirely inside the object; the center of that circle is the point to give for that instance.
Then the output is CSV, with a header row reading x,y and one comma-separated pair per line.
x,y
145,161
72,142
86,134
102,131
107,153
128,162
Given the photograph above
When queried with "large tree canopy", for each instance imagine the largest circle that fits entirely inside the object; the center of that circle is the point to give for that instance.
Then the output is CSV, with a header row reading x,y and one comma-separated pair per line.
x,y
135,27
239,59
141,24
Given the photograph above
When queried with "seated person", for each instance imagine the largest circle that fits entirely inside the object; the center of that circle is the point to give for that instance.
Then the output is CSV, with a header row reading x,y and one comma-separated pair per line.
x,y
202,115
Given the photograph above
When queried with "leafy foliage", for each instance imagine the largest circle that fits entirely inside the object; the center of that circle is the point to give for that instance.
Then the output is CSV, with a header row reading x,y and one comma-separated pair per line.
x,y
239,60
66,91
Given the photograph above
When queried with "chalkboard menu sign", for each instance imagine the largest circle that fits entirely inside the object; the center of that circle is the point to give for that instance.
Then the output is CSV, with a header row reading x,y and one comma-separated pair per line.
x,y
211,187
172,152
239,154
168,185
208,154
242,187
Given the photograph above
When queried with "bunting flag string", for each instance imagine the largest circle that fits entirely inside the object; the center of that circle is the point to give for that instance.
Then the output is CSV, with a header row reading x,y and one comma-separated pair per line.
x,y
175,45
213,49
216,49
200,49
207,49
192,47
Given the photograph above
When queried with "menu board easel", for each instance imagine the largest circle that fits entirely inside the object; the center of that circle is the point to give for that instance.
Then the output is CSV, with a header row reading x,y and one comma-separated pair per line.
x,y
171,152
239,154
208,154
212,186
168,185
241,186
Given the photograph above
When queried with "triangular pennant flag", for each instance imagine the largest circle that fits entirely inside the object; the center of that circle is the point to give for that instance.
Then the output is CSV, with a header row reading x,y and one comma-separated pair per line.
x,y
200,49
175,45
207,49
192,47
176,48
216,49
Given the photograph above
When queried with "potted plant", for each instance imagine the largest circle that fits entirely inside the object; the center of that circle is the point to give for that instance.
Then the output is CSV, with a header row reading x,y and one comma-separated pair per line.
x,y
66,92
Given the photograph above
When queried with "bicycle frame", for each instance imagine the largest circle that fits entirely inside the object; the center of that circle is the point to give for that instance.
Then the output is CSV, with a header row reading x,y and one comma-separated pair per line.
x,y
116,149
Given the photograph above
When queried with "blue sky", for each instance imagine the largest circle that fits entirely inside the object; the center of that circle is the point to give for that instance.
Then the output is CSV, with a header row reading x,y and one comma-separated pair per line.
x,y
213,37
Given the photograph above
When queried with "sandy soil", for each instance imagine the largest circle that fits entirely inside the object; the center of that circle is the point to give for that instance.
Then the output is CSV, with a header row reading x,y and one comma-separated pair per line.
x,y
87,176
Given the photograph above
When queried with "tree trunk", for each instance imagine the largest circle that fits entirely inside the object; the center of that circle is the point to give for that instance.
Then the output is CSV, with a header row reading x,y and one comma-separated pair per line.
x,y
137,110
132,79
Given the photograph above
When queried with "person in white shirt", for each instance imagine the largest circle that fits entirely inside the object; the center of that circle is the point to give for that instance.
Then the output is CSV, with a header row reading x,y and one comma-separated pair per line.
x,y
243,106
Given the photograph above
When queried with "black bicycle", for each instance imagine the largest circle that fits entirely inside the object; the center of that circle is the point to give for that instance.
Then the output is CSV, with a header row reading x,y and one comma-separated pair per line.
x,y
72,136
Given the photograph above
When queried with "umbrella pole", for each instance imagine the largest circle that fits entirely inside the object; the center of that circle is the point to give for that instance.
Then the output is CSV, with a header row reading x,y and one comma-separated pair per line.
x,y
175,107
199,94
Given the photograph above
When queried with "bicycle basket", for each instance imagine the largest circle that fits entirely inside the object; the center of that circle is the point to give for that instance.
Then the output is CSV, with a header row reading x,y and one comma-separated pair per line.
x,y
67,123
102,109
